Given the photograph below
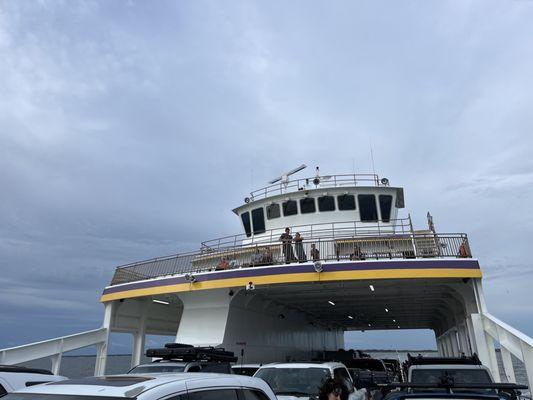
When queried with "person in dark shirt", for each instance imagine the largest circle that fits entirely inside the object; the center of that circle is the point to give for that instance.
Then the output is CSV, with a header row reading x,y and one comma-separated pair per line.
x,y
286,240
315,254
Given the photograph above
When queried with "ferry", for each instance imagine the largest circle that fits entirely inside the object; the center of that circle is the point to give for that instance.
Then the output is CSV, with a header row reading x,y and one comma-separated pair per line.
x,y
317,257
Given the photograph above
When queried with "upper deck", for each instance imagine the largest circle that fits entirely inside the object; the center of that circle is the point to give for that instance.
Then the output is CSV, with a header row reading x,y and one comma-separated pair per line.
x,y
338,219
336,242
329,181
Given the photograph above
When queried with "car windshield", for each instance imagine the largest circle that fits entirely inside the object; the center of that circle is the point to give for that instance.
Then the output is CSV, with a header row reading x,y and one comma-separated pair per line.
x,y
39,396
150,369
294,381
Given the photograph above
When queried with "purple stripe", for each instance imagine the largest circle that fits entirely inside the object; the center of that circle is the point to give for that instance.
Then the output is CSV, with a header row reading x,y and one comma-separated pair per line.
x,y
301,268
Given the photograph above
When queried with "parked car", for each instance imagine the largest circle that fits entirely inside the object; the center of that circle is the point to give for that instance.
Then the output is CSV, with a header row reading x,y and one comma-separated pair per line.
x,y
459,376
175,357
178,386
450,390
13,378
367,372
302,379
245,369
435,370
167,366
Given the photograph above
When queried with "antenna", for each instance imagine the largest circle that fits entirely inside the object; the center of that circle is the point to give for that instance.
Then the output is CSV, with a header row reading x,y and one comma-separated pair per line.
x,y
372,156
284,178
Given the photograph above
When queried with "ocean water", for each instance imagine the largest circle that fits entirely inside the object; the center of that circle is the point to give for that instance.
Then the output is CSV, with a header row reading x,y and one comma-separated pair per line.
x,y
80,366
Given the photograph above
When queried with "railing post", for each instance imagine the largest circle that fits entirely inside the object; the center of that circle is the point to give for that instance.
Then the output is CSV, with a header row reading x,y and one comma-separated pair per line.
x,y
527,354
56,360
507,364
101,348
485,346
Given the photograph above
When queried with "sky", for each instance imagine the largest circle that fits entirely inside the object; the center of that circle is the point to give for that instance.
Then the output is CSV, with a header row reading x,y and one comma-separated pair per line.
x,y
129,130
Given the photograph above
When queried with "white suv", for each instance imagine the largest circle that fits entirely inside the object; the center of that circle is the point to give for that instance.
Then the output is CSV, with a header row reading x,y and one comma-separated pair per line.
x,y
14,378
178,386
302,380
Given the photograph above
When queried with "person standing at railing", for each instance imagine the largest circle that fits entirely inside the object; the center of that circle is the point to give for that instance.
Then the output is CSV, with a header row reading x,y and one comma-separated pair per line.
x,y
286,240
463,252
315,254
298,245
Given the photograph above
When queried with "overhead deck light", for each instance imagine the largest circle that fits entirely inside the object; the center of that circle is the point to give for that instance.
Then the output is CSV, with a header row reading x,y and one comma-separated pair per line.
x,y
386,310
398,326
369,324
331,302
350,317
161,302
393,320
371,287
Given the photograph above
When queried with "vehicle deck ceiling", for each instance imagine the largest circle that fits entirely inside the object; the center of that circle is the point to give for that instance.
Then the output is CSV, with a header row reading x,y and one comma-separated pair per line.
x,y
412,303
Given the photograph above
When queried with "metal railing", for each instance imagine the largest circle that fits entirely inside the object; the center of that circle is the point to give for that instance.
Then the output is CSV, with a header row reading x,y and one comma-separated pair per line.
x,y
53,348
325,230
394,246
346,180
511,342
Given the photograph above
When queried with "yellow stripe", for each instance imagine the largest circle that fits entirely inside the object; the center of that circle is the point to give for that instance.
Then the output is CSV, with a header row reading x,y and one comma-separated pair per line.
x,y
293,278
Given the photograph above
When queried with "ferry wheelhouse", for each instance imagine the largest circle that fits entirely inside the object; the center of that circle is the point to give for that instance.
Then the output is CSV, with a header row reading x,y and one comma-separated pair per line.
x,y
359,265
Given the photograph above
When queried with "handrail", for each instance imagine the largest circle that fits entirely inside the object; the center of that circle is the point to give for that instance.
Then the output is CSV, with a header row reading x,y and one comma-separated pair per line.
x,y
511,341
343,180
323,230
273,252
53,348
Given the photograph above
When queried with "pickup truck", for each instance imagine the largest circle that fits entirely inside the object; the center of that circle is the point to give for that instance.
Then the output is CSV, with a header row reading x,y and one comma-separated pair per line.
x,y
367,372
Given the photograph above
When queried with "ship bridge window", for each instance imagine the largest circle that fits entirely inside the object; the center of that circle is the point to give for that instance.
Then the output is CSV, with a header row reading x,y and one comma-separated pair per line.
x,y
258,220
367,207
346,202
326,203
307,205
245,217
385,203
290,208
273,211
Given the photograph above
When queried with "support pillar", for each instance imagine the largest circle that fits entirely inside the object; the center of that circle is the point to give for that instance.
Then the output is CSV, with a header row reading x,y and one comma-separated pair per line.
x,y
139,337
439,346
484,345
204,318
101,348
464,346
454,343
447,345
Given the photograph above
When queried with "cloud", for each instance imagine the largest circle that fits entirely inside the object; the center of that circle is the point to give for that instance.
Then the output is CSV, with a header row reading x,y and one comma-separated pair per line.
x,y
131,131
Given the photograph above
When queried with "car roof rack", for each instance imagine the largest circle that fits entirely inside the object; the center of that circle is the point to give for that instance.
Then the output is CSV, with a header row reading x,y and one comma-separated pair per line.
x,y
463,360
15,368
187,352
452,385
